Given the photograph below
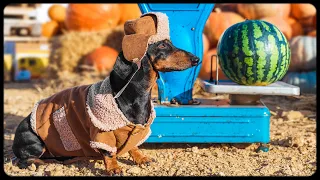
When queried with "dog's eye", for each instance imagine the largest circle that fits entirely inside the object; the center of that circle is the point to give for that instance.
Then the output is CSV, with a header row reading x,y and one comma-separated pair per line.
x,y
161,46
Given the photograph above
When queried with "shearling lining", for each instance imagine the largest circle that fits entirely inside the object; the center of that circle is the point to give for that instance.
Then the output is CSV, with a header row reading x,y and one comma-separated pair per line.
x,y
33,122
103,146
163,32
67,137
103,109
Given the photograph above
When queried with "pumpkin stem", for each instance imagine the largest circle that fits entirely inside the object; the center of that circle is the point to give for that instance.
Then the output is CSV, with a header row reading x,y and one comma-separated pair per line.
x,y
217,10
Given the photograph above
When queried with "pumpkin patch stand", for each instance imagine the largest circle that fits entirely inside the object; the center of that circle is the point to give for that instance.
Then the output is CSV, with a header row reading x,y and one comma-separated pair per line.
x,y
181,119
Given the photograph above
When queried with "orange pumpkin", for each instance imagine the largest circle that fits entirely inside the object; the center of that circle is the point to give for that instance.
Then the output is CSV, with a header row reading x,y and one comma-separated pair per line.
x,y
281,24
307,22
313,33
102,58
296,27
128,12
315,21
50,29
258,11
301,11
92,17
57,13
205,70
206,43
218,22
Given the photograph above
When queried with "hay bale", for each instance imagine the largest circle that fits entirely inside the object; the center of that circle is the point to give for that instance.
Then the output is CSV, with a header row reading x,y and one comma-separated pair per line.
x,y
68,50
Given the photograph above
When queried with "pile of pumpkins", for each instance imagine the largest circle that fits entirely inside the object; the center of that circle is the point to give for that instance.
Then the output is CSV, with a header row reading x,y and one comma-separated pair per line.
x,y
296,21
89,18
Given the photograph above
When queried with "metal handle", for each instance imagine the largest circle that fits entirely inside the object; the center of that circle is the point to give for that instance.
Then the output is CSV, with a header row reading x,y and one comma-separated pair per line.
x,y
217,68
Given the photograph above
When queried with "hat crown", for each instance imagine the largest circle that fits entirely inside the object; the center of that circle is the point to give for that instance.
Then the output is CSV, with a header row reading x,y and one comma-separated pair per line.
x,y
144,25
139,33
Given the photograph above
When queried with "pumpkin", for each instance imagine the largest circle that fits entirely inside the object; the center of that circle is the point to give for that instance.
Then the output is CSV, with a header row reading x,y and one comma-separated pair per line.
x,y
226,7
306,81
102,58
313,33
92,17
296,27
206,43
57,13
281,24
315,21
129,12
218,22
253,52
303,53
50,29
307,22
205,70
258,11
62,26
303,10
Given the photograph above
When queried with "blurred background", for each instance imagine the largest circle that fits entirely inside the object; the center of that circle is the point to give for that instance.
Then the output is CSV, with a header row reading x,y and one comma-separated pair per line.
x,y
51,47
81,41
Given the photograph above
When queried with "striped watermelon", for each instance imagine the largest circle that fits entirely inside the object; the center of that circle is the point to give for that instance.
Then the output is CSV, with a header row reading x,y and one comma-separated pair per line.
x,y
254,52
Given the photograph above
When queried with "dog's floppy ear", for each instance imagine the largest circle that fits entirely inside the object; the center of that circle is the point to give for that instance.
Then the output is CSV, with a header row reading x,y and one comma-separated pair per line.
x,y
134,46
137,33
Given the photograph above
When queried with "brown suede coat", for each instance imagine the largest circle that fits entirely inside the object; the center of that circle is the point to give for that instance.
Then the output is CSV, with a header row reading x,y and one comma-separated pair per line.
x,y
77,121
80,120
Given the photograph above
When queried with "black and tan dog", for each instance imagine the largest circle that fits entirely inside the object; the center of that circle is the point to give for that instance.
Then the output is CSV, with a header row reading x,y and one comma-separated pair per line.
x,y
111,117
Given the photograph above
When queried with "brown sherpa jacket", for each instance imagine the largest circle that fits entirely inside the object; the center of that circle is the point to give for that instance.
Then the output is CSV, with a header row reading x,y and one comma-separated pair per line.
x,y
77,121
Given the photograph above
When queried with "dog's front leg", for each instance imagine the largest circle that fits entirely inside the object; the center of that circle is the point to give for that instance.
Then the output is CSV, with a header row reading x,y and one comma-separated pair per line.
x,y
139,158
111,164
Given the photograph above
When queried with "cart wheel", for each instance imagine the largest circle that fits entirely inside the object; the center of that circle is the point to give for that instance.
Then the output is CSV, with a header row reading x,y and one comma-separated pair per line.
x,y
7,76
263,147
13,32
24,31
194,102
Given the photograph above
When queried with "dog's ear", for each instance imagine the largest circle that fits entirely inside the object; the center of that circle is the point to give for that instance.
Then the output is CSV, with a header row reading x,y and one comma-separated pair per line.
x,y
134,46
137,33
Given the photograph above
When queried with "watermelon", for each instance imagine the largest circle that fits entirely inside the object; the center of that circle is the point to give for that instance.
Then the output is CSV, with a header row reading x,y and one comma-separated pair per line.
x,y
253,52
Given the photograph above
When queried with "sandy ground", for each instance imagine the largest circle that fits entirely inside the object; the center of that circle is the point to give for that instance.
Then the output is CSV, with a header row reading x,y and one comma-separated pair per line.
x,y
292,147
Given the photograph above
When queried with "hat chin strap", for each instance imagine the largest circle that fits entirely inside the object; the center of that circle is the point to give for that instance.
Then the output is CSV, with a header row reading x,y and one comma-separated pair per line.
x,y
138,62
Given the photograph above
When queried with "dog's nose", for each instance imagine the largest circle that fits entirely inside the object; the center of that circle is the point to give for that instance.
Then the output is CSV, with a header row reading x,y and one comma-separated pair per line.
x,y
195,61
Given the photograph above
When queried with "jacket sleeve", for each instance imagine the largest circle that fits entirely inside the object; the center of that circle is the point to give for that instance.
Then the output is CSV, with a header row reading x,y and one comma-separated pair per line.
x,y
105,140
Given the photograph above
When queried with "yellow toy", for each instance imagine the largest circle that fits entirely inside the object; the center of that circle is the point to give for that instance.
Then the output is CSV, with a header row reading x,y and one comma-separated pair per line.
x,y
7,65
34,61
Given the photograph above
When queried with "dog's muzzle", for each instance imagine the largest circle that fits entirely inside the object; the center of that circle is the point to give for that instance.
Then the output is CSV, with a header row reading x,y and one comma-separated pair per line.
x,y
194,61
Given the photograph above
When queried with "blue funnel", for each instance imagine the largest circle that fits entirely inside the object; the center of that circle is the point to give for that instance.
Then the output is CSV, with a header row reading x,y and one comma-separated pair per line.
x,y
186,22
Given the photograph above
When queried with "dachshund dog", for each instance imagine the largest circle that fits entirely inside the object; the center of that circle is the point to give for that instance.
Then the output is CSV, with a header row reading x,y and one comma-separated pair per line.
x,y
134,102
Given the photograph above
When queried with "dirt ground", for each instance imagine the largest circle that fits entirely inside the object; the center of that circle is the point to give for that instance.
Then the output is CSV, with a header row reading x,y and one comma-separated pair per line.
x,y
292,147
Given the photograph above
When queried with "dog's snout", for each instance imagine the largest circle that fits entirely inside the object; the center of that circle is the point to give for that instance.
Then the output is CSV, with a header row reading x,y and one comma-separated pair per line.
x,y
194,60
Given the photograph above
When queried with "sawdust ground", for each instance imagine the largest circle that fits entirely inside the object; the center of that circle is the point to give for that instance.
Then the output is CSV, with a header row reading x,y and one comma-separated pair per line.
x,y
292,147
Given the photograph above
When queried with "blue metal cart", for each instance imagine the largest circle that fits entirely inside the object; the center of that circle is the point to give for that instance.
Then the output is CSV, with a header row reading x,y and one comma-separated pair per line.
x,y
205,120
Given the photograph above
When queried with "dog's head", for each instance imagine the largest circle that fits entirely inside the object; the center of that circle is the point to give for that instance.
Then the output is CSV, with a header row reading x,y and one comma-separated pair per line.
x,y
165,57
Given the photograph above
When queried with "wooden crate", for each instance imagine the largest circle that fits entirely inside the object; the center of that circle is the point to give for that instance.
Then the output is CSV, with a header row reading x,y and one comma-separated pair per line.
x,y
19,12
20,20
16,27
24,5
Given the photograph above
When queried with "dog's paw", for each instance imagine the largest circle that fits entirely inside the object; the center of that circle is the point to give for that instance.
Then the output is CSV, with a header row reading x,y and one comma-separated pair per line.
x,y
145,161
115,172
22,164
